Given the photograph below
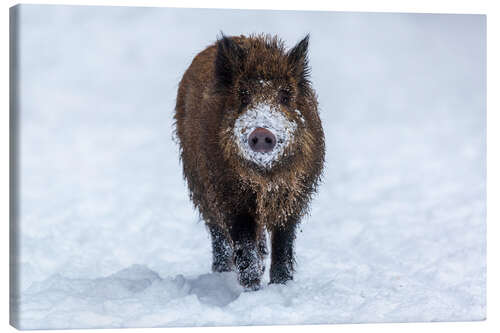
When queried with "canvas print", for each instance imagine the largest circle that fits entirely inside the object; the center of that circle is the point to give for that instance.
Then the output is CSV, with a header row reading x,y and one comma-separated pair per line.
x,y
215,167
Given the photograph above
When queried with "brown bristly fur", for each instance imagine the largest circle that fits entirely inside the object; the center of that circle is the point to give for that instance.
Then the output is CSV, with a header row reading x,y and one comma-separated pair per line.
x,y
220,182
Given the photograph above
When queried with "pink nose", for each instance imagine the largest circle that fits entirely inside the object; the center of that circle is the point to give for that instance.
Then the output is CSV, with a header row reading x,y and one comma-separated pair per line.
x,y
262,140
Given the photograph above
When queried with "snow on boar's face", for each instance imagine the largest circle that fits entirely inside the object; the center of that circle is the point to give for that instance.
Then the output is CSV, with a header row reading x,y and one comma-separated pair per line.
x,y
269,103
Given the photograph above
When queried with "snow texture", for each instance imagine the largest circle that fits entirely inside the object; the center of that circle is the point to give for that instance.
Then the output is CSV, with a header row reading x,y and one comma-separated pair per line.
x,y
263,116
108,237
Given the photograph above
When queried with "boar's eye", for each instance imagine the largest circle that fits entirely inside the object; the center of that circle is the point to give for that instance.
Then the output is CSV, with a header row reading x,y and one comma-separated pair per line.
x,y
284,97
244,98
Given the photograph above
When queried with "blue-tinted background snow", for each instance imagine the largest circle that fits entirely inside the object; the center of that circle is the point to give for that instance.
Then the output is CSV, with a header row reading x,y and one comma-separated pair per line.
x,y
109,238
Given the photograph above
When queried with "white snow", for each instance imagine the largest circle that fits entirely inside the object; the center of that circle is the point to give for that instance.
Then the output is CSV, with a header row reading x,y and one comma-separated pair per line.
x,y
109,238
263,116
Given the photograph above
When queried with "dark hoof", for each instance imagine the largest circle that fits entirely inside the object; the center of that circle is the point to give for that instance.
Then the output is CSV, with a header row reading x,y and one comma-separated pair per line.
x,y
280,274
249,267
251,285
280,280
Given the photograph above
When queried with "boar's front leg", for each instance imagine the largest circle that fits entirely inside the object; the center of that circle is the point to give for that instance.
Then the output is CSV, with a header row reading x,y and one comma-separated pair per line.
x,y
222,252
282,260
247,257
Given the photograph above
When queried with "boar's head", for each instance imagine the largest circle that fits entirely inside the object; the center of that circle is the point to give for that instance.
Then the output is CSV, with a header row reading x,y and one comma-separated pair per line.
x,y
270,120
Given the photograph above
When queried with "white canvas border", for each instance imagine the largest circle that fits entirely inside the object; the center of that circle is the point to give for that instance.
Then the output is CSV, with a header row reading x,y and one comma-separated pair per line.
x,y
492,324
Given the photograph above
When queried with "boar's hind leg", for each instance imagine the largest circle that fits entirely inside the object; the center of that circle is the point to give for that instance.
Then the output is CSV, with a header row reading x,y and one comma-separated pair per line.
x,y
222,253
262,248
282,261
247,257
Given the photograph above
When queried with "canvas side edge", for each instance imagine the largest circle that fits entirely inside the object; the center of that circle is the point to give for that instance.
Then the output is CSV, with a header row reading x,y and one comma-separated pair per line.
x,y
14,286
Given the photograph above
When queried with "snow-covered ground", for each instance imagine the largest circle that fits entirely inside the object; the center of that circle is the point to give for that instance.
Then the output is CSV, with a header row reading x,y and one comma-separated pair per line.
x,y
109,238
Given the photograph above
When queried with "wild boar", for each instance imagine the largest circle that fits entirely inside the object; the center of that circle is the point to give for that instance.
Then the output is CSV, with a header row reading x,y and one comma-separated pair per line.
x,y
252,148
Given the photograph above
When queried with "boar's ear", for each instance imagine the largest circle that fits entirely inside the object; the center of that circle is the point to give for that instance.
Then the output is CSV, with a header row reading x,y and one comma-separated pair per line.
x,y
228,61
298,60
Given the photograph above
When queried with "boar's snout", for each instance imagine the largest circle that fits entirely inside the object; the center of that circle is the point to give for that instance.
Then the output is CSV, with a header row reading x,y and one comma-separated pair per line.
x,y
262,140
